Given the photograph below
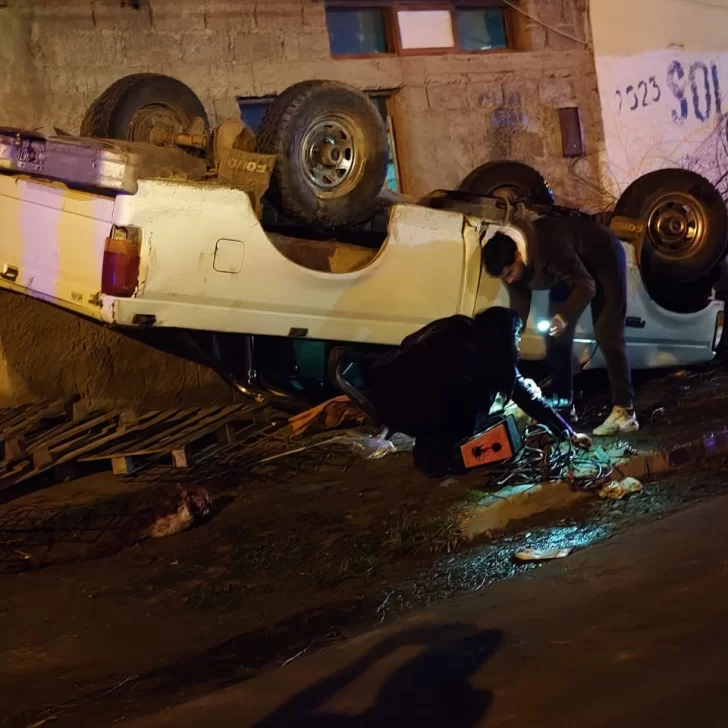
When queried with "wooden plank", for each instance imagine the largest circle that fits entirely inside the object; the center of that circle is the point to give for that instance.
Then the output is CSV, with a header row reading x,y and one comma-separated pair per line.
x,y
55,409
148,447
68,432
124,433
197,429
214,425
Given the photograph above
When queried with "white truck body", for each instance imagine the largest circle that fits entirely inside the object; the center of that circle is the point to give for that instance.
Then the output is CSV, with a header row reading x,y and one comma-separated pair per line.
x,y
207,263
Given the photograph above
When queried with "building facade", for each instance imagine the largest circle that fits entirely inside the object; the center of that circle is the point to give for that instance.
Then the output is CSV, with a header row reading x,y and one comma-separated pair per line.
x,y
662,67
459,82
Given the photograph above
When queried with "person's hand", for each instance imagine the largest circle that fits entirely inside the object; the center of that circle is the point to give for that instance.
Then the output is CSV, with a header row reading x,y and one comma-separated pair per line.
x,y
533,388
582,441
558,325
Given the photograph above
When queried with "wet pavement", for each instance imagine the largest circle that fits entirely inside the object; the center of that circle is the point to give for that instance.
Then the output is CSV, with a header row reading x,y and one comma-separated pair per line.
x,y
290,565
630,632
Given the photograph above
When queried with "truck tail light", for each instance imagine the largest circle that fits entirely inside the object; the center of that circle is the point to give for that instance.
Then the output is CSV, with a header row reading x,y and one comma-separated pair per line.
x,y
719,320
120,272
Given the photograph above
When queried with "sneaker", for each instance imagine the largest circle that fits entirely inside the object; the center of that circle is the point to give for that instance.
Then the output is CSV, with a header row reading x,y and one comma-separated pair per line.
x,y
619,422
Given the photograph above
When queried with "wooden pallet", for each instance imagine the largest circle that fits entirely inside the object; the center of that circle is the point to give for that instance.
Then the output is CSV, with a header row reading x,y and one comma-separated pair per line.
x,y
129,442
179,436
21,426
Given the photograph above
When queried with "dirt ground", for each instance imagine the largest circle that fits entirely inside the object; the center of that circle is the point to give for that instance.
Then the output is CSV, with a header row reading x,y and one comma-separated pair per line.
x,y
317,548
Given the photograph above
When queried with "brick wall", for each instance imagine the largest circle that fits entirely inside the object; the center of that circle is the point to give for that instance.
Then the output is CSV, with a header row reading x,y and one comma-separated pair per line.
x,y
453,111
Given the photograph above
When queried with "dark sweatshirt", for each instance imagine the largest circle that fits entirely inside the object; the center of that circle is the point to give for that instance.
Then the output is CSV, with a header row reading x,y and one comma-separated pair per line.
x,y
442,377
562,250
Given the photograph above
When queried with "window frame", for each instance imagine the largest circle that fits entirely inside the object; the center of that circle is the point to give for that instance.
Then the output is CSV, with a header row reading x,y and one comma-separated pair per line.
x,y
392,31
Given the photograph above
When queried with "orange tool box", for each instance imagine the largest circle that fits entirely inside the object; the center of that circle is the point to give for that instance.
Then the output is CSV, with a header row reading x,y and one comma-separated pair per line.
x,y
499,441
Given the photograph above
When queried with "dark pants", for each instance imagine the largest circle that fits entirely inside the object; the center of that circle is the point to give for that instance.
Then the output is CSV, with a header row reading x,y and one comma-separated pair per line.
x,y
609,310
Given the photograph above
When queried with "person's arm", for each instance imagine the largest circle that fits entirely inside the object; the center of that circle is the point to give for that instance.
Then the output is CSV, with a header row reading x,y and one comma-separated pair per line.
x,y
566,265
519,299
535,407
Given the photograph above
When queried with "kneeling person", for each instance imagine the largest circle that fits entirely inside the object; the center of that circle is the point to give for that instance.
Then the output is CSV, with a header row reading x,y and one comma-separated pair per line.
x,y
443,377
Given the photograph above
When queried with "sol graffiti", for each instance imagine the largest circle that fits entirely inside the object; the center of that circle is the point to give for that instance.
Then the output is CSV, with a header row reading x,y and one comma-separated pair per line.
x,y
703,83
696,91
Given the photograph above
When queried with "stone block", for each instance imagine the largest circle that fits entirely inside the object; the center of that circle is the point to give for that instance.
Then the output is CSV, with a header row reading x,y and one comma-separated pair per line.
x,y
314,14
279,16
313,45
557,92
149,48
111,15
519,92
411,100
263,47
207,46
232,15
65,48
75,13
174,16
558,42
485,94
448,97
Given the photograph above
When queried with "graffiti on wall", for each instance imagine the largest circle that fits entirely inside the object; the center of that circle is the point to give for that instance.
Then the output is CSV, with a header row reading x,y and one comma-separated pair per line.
x,y
664,109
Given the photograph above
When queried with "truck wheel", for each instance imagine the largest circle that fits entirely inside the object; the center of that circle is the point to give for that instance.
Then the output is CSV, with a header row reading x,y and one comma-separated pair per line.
x,y
134,105
687,222
332,153
513,181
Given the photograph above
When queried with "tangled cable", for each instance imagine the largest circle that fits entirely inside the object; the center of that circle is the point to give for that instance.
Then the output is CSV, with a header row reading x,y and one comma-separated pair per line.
x,y
546,457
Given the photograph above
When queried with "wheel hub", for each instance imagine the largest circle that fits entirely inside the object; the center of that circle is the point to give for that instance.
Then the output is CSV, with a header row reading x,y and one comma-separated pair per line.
x,y
677,225
152,117
328,152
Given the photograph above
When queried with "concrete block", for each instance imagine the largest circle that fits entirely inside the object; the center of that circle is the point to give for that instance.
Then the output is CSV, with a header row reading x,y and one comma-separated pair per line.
x,y
279,16
111,15
173,16
448,97
312,45
314,14
264,47
519,92
411,100
558,42
66,48
207,46
236,16
557,92
145,50
75,13
485,94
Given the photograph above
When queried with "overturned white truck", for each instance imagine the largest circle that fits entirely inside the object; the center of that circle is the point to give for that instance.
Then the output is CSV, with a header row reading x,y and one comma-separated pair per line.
x,y
151,220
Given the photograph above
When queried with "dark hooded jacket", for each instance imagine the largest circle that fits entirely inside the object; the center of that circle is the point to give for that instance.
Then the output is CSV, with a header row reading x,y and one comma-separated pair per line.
x,y
442,377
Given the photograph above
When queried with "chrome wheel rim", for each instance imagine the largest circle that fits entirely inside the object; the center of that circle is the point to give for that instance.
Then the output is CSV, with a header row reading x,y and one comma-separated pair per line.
x,y
676,225
329,157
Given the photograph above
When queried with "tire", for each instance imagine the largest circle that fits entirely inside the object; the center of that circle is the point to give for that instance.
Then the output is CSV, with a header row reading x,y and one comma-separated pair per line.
x,y
514,181
133,105
687,223
310,180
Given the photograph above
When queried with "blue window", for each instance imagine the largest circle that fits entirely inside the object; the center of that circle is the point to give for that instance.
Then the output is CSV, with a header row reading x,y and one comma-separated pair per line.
x,y
357,31
481,29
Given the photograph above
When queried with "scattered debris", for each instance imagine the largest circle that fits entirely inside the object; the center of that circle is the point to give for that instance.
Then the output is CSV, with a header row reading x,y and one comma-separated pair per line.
x,y
187,507
618,489
542,555
328,416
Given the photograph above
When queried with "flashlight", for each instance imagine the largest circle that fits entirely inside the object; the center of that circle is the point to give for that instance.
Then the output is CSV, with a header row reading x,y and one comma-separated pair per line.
x,y
543,326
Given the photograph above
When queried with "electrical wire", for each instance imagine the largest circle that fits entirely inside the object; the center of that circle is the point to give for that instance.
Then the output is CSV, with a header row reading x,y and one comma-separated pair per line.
x,y
545,457
545,25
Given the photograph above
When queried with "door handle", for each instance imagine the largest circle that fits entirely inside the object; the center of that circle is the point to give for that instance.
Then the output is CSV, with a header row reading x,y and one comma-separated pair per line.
x,y
9,272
